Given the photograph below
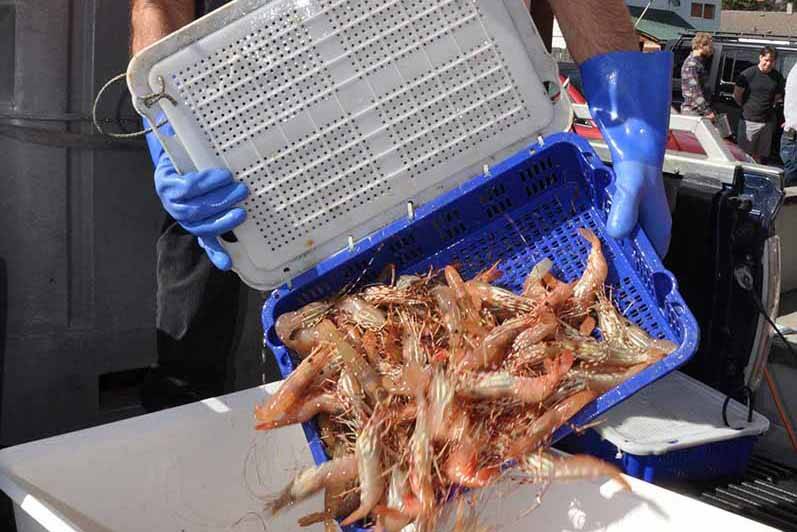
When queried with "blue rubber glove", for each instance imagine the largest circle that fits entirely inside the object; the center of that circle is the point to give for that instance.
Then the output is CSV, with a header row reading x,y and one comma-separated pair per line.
x,y
629,98
203,203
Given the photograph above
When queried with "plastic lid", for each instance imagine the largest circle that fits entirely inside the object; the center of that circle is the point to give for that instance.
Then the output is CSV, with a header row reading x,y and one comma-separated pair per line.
x,y
673,413
339,113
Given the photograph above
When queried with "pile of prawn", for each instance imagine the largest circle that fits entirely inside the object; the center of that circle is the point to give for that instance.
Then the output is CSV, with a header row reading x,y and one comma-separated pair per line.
x,y
424,385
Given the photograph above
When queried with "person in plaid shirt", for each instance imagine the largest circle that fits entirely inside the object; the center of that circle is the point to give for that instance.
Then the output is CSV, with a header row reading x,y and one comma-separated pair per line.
x,y
693,78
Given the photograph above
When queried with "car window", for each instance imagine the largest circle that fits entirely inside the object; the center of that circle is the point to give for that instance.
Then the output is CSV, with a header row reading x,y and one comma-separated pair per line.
x,y
787,61
732,63
679,56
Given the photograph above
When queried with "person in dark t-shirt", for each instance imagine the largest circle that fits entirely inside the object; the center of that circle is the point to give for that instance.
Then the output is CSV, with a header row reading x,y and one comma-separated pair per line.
x,y
757,90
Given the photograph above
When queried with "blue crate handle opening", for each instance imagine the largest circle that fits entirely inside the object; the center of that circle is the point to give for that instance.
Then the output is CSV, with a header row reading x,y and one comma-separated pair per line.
x,y
527,208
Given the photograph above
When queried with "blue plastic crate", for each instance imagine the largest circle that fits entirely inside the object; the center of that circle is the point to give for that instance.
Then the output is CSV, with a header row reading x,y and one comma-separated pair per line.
x,y
527,208
712,461
674,430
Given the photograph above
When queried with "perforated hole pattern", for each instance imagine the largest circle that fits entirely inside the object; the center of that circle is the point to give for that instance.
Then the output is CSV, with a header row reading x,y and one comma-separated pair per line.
x,y
521,215
321,114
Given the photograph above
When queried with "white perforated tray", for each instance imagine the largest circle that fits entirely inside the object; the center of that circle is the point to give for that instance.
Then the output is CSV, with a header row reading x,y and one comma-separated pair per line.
x,y
674,413
338,113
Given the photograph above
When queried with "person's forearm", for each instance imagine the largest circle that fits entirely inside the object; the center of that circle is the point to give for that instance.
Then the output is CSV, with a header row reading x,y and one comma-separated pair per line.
x,y
595,27
738,96
151,20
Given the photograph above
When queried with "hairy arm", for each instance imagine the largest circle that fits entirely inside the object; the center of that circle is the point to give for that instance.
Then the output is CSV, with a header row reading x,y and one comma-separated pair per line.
x,y
151,20
738,95
740,88
594,27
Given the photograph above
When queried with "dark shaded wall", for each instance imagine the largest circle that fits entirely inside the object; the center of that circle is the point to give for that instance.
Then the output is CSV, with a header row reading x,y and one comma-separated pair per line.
x,y
78,227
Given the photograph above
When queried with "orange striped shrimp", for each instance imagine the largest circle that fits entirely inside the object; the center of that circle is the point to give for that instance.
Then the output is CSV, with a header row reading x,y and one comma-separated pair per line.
x,y
532,285
369,466
544,426
293,391
295,329
496,298
620,332
421,452
470,315
544,327
354,362
594,276
412,350
452,319
320,403
311,480
547,466
402,506
559,295
493,348
500,385
603,381
441,399
363,314
351,392
462,466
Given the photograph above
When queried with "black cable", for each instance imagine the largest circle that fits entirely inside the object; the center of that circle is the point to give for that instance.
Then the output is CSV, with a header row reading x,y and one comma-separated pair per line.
x,y
749,394
760,307
68,139
745,282
65,117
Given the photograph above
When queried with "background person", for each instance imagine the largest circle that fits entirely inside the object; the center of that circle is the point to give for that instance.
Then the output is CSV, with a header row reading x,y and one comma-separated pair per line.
x,y
788,142
694,78
758,89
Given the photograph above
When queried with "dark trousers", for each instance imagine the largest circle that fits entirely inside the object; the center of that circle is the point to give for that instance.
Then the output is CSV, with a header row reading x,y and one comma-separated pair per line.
x,y
200,314
788,153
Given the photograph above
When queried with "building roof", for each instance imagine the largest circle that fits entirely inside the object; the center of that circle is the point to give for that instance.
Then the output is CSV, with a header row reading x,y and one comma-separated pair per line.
x,y
759,22
659,24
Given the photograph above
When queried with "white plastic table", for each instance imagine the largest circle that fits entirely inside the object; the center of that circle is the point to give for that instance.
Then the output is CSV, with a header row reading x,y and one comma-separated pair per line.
x,y
202,467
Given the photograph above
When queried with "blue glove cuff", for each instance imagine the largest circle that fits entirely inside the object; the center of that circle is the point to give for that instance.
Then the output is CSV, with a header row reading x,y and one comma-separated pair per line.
x,y
629,96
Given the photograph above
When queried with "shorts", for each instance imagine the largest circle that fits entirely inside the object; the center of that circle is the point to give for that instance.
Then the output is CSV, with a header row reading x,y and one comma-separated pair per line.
x,y
755,138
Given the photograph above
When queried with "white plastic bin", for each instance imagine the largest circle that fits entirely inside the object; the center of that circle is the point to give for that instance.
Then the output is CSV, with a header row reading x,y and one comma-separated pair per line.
x,y
187,469
674,430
